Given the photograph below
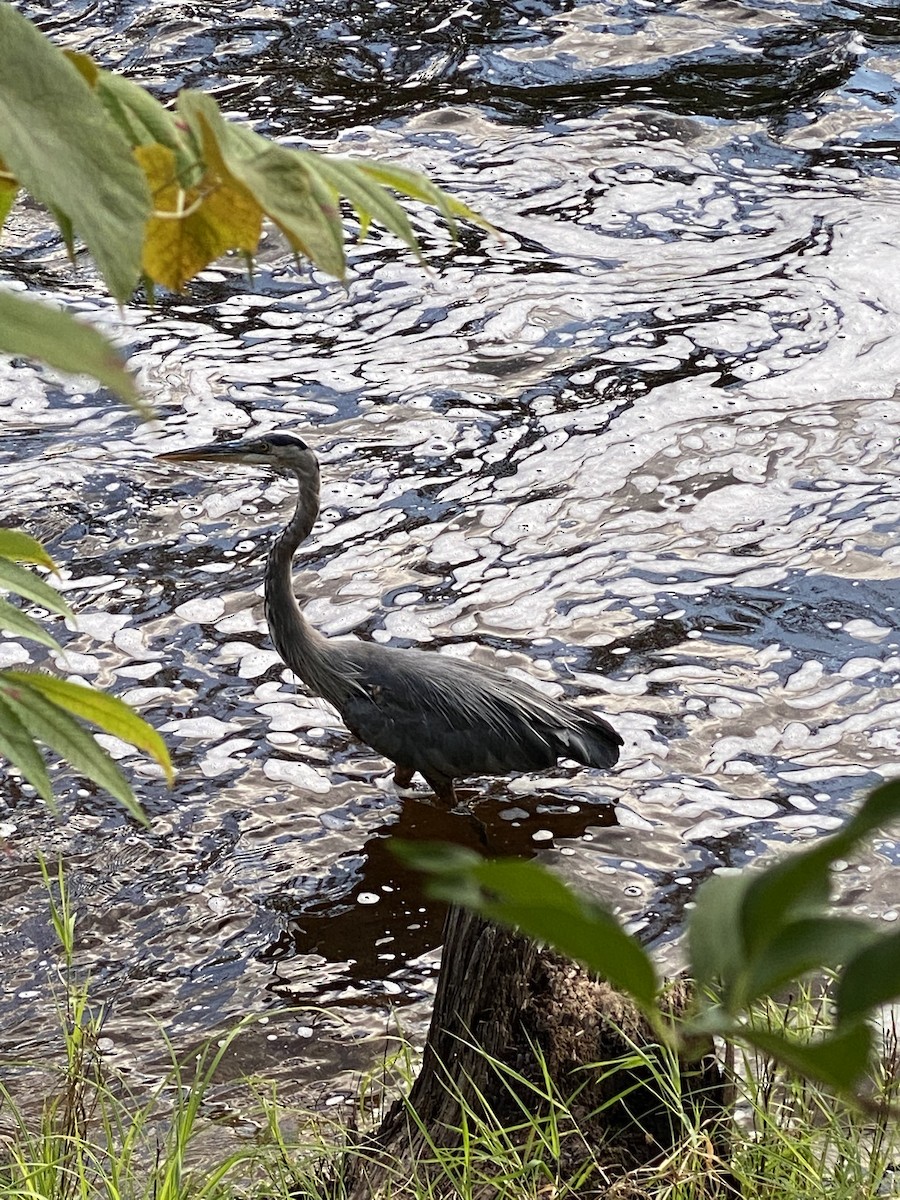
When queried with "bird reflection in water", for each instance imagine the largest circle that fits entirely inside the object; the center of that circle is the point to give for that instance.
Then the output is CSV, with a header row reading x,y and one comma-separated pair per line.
x,y
371,914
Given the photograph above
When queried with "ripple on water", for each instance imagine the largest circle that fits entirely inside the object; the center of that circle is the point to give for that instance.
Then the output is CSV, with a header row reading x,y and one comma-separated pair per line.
x,y
643,448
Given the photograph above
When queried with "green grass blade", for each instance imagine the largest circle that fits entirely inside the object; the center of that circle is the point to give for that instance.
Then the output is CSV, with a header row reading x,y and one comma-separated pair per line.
x,y
21,547
13,620
52,725
18,747
107,712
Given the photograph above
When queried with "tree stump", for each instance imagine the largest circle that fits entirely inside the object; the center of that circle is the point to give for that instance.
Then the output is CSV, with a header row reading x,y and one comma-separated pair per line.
x,y
499,996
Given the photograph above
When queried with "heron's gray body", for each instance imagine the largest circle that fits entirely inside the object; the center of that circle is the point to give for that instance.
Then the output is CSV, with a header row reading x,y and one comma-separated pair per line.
x,y
441,716
454,719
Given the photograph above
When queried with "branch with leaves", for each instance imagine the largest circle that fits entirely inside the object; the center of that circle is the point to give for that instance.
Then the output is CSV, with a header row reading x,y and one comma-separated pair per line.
x,y
158,195
37,708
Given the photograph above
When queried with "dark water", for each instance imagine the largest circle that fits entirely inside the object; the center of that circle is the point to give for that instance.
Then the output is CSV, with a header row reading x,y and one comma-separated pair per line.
x,y
642,447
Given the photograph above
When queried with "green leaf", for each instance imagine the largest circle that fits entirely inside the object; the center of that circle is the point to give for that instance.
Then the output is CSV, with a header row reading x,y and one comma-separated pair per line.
x,y
13,620
107,712
714,931
712,1021
879,809
802,946
17,579
144,121
18,747
435,858
799,885
302,205
21,547
419,187
52,336
840,1061
53,726
533,899
870,979
60,143
450,866
368,198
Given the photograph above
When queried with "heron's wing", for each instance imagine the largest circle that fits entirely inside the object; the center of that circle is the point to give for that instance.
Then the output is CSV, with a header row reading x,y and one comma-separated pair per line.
x,y
446,716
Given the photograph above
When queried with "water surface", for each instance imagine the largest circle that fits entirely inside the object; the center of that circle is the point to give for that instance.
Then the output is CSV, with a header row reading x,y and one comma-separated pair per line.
x,y
642,447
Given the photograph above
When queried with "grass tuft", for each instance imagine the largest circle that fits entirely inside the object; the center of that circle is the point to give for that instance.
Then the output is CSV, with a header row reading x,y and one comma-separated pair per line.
x,y
88,1137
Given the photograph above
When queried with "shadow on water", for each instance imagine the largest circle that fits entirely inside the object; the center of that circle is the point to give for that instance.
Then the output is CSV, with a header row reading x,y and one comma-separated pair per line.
x,y
383,916
327,69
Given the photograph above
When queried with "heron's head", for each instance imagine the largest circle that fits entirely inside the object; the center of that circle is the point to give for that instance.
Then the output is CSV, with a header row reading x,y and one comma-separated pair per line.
x,y
281,452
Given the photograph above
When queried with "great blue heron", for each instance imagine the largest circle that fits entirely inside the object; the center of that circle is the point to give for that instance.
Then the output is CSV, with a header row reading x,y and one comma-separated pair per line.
x,y
426,712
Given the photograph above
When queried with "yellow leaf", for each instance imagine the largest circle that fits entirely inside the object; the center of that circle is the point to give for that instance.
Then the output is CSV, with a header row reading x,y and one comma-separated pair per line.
x,y
303,206
190,228
215,161
9,189
84,65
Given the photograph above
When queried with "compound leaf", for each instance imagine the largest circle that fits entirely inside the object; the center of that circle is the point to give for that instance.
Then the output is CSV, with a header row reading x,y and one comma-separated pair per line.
x,y
56,338
58,141
47,722
18,747
14,578
107,712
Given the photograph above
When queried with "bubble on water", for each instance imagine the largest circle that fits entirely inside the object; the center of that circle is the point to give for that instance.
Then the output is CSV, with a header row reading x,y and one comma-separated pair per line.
x,y
298,774
202,610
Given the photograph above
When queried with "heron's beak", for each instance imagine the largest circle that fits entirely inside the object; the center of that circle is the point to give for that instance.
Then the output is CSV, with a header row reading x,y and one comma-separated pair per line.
x,y
212,452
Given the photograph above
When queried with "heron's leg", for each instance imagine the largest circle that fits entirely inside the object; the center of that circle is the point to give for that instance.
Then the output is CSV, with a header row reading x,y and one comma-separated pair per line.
x,y
403,776
442,786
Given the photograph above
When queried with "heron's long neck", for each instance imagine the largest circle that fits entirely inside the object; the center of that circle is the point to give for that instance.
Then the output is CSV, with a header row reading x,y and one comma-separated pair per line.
x,y
301,646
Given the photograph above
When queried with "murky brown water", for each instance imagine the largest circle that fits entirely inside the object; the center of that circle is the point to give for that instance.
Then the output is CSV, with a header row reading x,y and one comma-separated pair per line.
x,y
644,447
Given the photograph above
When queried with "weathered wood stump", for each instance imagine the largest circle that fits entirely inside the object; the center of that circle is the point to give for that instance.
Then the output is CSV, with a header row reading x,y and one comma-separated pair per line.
x,y
499,996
